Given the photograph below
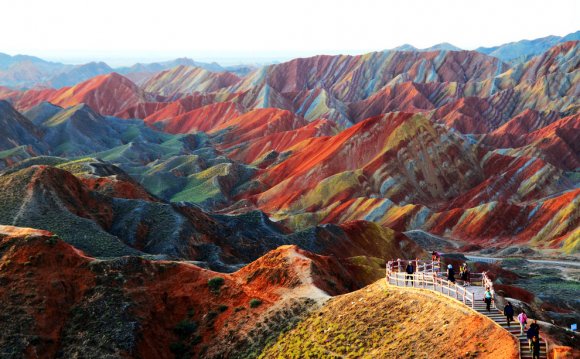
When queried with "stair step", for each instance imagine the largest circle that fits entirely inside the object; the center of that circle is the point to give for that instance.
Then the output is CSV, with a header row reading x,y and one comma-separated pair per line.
x,y
522,340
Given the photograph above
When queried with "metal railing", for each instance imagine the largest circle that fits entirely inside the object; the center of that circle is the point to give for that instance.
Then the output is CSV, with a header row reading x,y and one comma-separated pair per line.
x,y
488,283
427,277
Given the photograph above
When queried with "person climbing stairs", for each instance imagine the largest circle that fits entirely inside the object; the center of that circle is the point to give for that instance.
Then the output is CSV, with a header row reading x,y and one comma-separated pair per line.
x,y
514,329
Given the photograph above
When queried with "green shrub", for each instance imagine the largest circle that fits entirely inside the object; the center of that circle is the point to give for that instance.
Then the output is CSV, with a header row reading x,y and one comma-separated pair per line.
x,y
222,308
254,303
185,328
215,284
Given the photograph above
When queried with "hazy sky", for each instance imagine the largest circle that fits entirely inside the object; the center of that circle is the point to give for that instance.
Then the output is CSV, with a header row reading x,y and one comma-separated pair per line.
x,y
125,30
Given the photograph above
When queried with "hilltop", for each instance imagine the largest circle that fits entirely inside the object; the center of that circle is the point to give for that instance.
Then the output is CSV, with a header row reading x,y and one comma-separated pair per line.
x,y
392,322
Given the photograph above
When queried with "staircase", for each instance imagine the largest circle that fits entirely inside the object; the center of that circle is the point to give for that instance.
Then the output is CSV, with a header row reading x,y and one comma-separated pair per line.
x,y
514,329
429,277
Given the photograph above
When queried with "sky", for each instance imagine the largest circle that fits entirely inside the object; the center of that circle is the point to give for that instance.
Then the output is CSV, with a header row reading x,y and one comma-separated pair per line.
x,y
125,31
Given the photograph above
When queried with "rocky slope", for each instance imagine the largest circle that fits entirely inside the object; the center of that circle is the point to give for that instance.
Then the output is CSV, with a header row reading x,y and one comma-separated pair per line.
x,y
133,307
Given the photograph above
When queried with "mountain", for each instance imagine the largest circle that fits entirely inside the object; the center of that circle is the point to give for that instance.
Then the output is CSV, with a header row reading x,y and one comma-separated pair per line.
x,y
351,78
204,118
17,130
469,135
187,79
141,72
6,61
445,46
166,65
163,308
533,134
78,74
520,51
338,174
119,217
108,94
193,213
23,71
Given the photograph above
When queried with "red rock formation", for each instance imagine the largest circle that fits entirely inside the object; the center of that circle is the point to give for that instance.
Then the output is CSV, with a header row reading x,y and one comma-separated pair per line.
x,y
400,97
281,141
64,289
555,140
205,118
107,94
364,157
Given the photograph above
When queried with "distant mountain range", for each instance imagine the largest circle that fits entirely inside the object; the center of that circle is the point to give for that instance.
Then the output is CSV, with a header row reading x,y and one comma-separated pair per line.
x,y
521,51
443,46
183,210
23,71
412,140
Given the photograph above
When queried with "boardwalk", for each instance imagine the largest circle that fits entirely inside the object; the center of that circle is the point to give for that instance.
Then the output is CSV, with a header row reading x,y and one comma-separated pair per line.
x,y
428,276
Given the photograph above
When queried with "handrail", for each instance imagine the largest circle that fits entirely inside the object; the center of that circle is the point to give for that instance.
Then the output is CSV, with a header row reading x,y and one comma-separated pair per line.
x,y
426,278
391,273
488,283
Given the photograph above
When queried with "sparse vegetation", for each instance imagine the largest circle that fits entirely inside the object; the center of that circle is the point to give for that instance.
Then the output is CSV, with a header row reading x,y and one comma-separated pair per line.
x,y
394,323
255,303
215,284
186,331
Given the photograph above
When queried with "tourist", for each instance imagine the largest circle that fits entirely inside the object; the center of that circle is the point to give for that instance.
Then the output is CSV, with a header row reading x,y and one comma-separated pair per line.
x,y
522,319
450,274
508,311
535,347
434,256
467,277
487,297
533,331
410,270
464,274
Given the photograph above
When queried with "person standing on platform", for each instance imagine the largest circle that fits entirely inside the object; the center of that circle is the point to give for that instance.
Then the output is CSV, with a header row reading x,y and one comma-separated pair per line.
x,y
410,270
450,274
